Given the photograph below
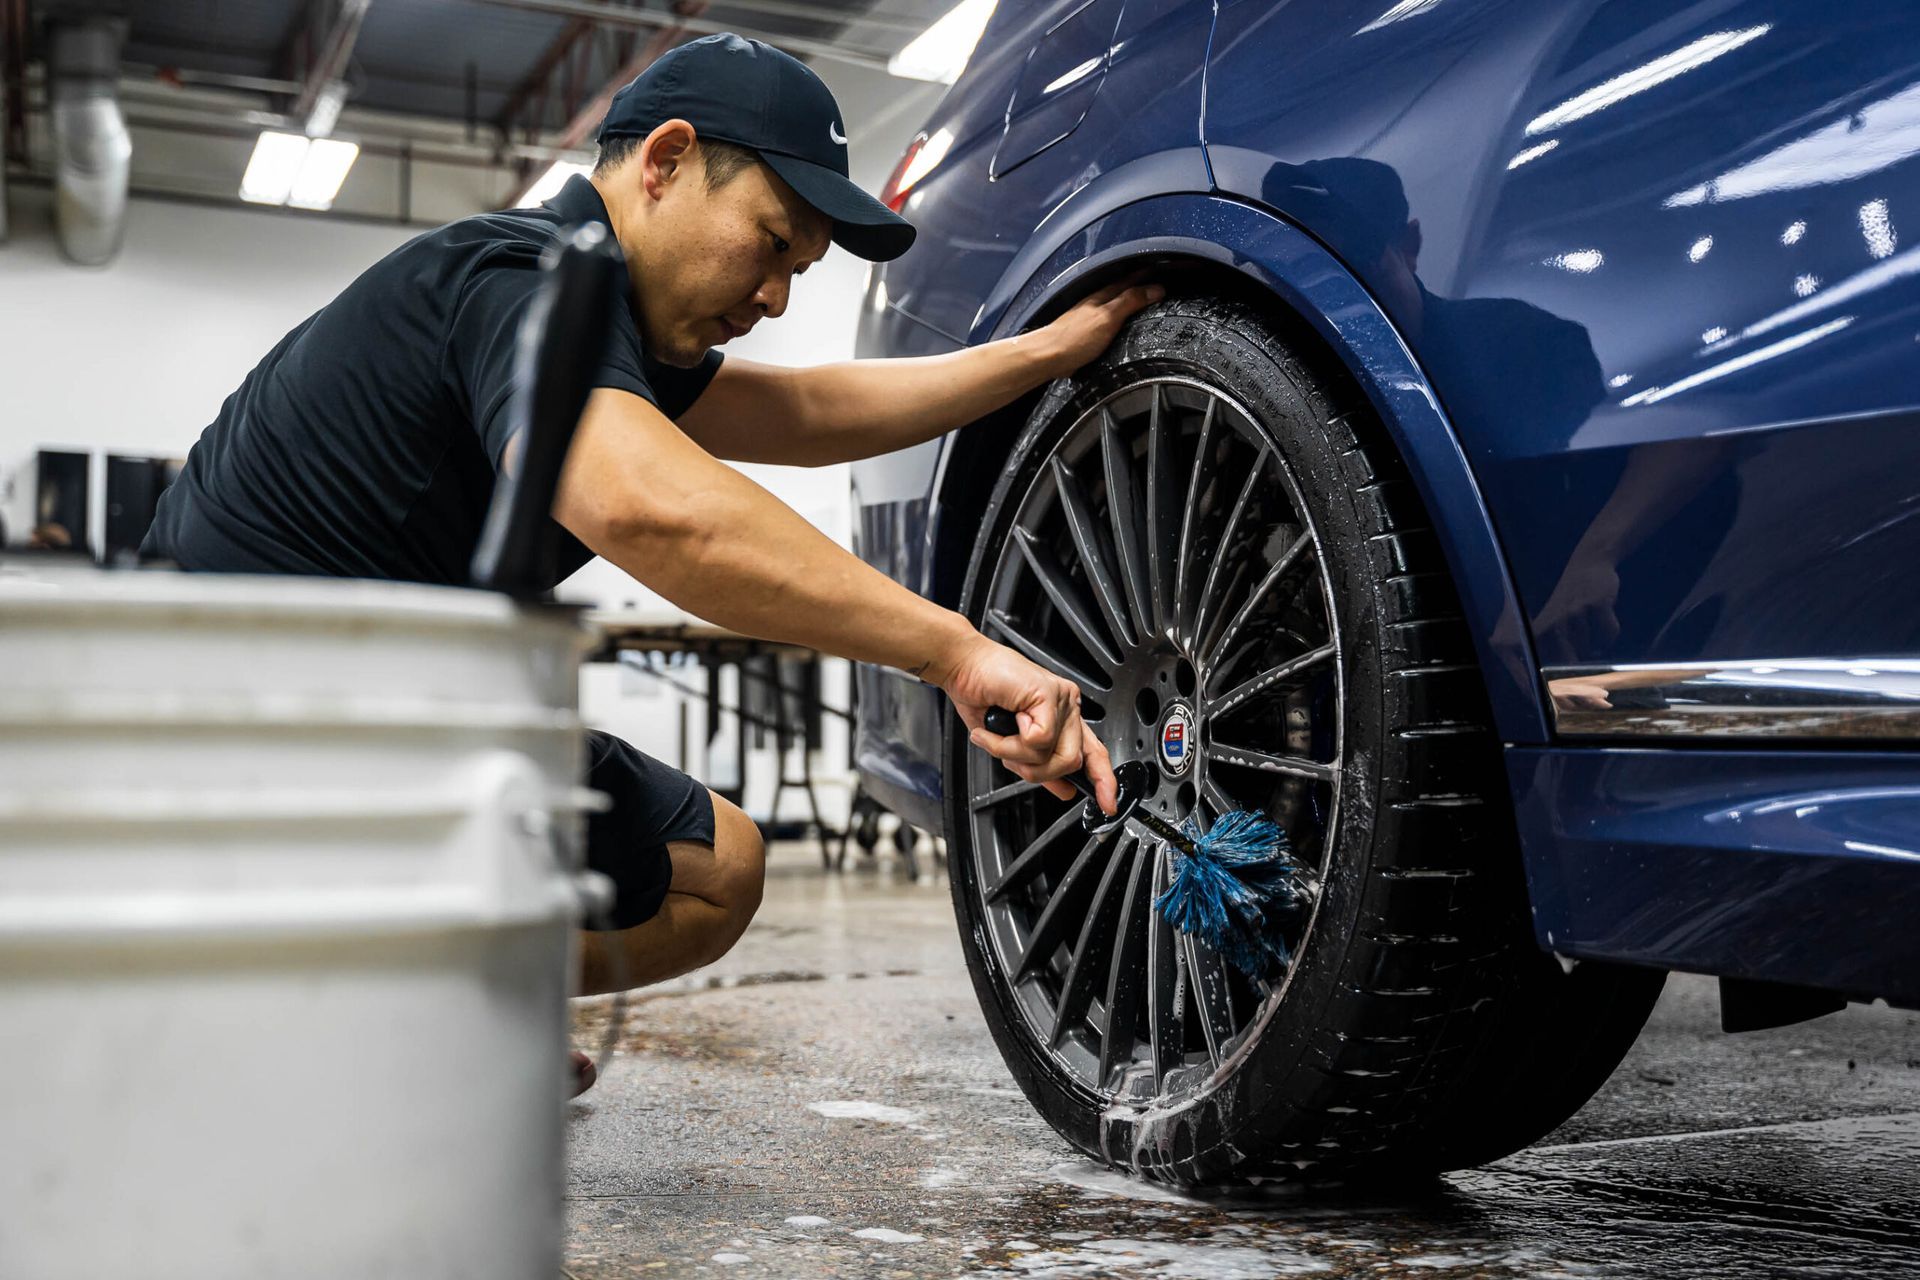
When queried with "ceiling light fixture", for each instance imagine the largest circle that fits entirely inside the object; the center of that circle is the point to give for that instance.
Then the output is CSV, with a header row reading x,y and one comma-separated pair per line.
x,y
325,168
290,168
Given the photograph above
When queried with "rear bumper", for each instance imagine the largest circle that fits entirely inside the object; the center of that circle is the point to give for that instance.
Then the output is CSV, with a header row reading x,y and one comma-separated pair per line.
x,y
1799,867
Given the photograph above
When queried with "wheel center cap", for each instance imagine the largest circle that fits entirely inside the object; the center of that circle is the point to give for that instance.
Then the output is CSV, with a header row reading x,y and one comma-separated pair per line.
x,y
1176,739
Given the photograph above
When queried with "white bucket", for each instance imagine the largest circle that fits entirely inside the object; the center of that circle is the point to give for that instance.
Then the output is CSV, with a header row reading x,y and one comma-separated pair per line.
x,y
284,938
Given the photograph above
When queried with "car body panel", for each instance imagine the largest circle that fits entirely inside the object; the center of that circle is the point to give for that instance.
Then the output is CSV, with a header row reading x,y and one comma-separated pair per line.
x,y
1656,381
1796,867
1698,441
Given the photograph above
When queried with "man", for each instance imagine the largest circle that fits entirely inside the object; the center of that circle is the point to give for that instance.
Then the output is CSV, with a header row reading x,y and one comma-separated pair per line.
x,y
365,445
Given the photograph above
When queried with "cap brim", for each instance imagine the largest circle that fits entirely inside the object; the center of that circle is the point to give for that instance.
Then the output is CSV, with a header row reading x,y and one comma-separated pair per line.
x,y
861,224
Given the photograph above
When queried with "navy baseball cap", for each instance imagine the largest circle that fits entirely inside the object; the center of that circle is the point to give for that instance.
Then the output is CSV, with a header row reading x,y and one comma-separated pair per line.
x,y
745,92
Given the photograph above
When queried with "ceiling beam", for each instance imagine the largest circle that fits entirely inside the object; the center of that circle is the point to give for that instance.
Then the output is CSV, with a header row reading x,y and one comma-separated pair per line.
x,y
614,16
587,115
536,80
323,83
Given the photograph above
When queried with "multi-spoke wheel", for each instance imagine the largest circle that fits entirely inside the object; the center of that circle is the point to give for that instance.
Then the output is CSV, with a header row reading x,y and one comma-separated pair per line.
x,y
1208,540
1161,560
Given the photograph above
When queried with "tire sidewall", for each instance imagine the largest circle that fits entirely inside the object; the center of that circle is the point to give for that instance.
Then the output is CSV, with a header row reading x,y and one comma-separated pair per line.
x,y
1266,1089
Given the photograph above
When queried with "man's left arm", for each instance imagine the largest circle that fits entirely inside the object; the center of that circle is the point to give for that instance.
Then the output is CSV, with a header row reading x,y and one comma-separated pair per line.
x,y
855,409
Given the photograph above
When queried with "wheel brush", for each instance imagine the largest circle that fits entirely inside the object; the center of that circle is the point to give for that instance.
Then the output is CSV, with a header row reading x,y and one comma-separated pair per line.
x,y
1232,885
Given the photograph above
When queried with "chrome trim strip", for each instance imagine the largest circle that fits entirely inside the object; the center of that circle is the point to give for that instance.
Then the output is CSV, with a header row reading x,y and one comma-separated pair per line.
x,y
1835,699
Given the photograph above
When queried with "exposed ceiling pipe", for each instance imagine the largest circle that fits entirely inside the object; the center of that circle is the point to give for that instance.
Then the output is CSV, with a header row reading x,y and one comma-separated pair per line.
x,y
92,154
324,90
613,16
432,140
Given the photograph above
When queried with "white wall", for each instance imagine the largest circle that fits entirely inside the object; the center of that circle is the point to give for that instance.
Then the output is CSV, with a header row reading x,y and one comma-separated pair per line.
x,y
136,357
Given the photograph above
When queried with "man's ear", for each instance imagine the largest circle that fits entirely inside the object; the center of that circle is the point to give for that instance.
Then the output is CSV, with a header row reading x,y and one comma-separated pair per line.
x,y
667,152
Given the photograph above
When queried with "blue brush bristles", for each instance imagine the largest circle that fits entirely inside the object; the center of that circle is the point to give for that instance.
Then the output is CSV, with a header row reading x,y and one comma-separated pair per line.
x,y
1233,892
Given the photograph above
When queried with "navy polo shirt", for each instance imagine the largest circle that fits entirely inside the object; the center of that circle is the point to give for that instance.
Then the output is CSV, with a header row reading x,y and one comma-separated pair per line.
x,y
364,445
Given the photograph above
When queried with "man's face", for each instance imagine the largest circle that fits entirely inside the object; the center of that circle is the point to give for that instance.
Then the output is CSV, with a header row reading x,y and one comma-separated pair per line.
x,y
709,265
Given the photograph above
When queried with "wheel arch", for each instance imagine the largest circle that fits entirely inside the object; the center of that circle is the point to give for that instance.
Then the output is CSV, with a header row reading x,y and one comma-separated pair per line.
x,y
1205,243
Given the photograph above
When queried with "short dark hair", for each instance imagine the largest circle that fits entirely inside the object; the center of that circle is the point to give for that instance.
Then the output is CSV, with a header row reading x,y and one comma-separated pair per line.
x,y
725,160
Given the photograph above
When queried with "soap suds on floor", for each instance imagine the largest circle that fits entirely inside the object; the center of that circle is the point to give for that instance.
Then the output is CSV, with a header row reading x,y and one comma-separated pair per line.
x,y
854,1110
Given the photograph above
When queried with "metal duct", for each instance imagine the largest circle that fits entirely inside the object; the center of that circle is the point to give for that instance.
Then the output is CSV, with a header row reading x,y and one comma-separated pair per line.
x,y
92,154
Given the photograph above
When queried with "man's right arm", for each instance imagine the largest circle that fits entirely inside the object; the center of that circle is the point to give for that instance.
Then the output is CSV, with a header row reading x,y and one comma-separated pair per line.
x,y
642,495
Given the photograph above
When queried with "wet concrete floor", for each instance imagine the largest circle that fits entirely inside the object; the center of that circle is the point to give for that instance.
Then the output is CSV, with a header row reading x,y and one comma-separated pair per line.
x,y
826,1101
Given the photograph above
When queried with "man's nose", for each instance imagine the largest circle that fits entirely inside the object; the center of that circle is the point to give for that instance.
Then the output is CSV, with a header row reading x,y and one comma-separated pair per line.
x,y
772,298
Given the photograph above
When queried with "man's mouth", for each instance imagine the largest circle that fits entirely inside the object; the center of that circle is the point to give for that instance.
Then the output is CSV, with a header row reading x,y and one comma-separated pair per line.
x,y
733,330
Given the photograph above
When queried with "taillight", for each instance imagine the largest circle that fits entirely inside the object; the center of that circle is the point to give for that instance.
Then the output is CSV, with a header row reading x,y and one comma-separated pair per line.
x,y
924,153
894,194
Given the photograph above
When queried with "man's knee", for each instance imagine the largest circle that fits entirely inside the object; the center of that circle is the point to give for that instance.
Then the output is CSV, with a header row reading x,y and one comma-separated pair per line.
x,y
742,857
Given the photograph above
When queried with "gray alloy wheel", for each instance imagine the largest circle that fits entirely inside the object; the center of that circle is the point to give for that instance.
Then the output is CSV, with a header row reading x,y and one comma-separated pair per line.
x,y
1207,531
1160,524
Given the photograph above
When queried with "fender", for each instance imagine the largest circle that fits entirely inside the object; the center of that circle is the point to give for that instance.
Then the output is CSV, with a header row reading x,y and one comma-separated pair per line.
x,y
1293,269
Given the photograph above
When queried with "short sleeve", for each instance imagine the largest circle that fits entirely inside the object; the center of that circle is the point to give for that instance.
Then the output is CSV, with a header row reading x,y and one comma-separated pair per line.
x,y
484,331
676,389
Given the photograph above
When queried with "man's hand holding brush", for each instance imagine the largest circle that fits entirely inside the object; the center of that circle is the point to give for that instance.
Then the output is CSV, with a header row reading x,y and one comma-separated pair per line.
x,y
1052,741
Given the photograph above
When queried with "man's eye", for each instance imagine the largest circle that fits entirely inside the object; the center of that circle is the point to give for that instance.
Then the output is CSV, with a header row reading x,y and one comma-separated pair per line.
x,y
780,246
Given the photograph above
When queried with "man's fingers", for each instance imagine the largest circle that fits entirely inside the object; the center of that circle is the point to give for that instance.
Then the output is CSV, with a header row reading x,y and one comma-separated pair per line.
x,y
1011,749
1109,292
1099,767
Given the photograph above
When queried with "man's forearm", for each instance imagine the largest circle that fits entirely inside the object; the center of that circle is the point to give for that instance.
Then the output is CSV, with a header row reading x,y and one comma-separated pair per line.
x,y
864,408
746,561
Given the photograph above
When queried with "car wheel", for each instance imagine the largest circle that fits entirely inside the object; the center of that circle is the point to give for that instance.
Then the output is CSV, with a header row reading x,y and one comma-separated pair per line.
x,y
1213,539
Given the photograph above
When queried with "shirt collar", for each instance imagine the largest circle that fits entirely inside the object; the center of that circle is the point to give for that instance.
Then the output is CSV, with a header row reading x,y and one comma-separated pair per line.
x,y
579,201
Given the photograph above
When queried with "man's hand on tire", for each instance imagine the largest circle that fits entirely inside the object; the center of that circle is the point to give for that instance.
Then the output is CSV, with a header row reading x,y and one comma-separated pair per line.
x,y
1053,740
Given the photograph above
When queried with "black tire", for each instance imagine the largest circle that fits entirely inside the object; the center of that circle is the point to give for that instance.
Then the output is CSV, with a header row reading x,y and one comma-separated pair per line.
x,y
1415,965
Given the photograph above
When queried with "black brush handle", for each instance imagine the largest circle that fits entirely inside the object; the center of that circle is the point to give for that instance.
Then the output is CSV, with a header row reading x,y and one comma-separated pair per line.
x,y
1134,778
561,342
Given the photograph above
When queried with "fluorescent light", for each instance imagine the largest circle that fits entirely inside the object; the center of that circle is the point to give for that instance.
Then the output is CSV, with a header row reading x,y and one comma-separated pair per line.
x,y
941,51
1532,153
1873,138
1877,227
1875,278
1400,12
327,162
548,184
1653,395
274,167
290,168
1580,261
1644,77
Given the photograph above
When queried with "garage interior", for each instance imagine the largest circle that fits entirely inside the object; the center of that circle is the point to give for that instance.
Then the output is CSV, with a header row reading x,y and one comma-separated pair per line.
x,y
825,1099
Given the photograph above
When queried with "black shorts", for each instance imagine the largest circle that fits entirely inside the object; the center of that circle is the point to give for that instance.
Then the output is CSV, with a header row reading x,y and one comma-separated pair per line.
x,y
652,804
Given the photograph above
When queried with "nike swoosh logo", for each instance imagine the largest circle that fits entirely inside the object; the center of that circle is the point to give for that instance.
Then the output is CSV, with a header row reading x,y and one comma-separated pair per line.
x,y
833,131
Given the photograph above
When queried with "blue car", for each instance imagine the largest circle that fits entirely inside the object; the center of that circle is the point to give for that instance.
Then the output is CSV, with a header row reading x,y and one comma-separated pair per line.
x,y
1517,498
